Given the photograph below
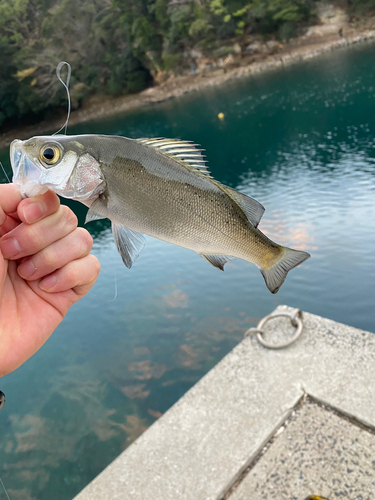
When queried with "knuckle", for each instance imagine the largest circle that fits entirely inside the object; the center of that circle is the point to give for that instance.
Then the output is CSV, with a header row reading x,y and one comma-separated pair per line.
x,y
3,217
86,239
72,275
95,264
34,236
48,258
69,217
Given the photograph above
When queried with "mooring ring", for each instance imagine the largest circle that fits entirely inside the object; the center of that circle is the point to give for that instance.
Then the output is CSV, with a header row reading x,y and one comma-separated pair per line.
x,y
296,320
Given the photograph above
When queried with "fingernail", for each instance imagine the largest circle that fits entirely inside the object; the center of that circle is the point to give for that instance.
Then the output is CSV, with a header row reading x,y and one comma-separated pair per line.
x,y
26,269
10,248
48,283
33,211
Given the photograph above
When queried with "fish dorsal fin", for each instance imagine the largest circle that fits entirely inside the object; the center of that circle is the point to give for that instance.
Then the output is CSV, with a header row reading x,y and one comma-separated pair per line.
x,y
178,149
250,207
129,243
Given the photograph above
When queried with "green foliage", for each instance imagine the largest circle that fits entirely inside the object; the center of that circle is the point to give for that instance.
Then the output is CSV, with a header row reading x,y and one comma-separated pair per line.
x,y
362,6
217,7
170,61
289,10
8,84
145,34
77,94
117,46
14,21
181,19
200,29
287,30
161,14
223,51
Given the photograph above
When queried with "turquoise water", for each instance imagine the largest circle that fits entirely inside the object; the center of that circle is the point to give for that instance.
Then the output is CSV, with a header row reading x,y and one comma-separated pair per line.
x,y
299,140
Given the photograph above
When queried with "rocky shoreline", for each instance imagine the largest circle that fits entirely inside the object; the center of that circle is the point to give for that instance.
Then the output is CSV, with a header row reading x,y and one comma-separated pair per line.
x,y
236,66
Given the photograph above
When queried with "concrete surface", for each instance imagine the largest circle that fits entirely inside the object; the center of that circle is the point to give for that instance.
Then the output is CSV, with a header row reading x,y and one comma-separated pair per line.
x,y
318,453
204,443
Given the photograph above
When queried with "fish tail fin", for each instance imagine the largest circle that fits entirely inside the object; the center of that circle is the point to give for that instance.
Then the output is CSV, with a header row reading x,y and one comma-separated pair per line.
x,y
276,274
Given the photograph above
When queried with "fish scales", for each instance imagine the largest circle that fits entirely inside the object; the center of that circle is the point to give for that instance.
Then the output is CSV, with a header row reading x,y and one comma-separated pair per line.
x,y
154,187
174,211
142,200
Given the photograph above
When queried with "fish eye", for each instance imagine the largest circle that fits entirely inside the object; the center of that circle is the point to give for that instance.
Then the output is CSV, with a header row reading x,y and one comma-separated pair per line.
x,y
50,154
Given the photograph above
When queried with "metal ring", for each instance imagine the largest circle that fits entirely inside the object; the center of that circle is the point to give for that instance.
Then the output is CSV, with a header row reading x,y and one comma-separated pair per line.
x,y
295,320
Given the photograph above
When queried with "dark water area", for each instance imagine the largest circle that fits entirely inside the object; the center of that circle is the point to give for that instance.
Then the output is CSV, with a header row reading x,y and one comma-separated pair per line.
x,y
299,140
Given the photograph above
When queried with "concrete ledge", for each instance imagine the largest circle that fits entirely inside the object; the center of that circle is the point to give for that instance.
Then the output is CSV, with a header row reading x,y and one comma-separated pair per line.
x,y
205,442
318,452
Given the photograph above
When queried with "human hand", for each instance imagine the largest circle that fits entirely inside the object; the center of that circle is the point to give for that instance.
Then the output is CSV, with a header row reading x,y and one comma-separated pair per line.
x,y
45,267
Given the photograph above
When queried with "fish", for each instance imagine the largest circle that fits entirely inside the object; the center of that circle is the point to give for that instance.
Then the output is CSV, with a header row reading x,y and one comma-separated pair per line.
x,y
159,187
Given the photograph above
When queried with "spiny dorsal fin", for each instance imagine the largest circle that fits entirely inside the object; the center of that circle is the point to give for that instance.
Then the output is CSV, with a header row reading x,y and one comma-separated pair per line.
x,y
178,149
250,207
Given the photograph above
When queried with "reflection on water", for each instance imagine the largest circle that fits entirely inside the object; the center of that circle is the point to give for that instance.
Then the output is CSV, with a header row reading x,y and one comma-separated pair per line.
x,y
299,140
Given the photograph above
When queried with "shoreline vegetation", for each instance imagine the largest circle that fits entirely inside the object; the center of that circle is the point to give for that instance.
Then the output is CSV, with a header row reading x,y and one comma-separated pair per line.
x,y
335,30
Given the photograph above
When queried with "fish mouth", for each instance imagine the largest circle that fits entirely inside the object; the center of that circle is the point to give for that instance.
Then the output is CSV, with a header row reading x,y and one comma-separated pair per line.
x,y
26,175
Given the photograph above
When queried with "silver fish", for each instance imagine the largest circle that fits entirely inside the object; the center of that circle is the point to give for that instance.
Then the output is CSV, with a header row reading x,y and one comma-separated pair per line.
x,y
158,187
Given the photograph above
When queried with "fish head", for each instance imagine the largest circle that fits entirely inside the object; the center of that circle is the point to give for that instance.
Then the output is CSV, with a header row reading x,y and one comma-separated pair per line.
x,y
60,163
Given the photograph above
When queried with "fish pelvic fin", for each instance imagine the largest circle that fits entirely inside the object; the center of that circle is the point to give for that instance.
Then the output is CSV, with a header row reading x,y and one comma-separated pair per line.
x,y
276,274
129,243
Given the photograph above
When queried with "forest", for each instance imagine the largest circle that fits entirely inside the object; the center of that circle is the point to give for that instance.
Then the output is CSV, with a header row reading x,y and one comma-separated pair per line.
x,y
120,46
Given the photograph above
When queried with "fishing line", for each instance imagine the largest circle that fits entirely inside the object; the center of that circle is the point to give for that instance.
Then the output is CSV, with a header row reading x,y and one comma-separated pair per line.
x,y
1,481
6,175
66,86
115,297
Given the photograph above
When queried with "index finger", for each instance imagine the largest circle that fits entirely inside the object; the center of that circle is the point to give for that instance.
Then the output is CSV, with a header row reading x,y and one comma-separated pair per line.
x,y
38,207
10,197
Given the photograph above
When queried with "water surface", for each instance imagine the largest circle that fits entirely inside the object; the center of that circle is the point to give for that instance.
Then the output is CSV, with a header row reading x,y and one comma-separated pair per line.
x,y
301,141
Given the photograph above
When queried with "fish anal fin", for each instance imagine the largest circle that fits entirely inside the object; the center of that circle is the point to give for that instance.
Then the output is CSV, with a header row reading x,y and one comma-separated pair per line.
x,y
218,261
250,207
129,243
182,151
97,211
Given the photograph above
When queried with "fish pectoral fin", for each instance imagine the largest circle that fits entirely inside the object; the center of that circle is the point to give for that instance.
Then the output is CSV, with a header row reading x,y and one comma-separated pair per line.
x,y
97,211
218,261
129,243
250,207
93,216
